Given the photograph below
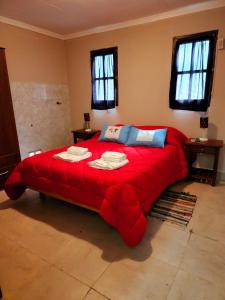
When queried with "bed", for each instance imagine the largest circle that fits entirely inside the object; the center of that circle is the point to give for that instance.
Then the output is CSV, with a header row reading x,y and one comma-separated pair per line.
x,y
122,197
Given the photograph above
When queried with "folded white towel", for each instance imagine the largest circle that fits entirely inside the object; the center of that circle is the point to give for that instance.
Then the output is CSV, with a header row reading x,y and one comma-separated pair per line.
x,y
107,165
112,156
71,157
112,159
77,150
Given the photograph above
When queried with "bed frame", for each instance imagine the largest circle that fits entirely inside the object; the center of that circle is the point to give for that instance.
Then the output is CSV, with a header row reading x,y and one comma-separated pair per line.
x,y
44,194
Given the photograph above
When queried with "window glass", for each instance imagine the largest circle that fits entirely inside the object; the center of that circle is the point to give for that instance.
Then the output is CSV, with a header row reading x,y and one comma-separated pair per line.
x,y
98,69
109,65
99,86
184,57
182,87
104,78
109,89
192,71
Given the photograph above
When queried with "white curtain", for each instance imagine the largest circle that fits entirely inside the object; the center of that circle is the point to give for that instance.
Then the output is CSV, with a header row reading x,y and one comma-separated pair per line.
x,y
192,61
103,73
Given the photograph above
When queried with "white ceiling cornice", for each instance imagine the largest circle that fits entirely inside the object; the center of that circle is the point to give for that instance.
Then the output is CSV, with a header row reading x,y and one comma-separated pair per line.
x,y
31,28
162,16
166,15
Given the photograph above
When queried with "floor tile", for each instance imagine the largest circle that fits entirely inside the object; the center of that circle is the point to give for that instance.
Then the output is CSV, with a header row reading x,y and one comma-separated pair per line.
x,y
18,267
54,223
53,284
82,260
168,242
213,200
209,222
205,258
25,276
36,235
93,295
161,240
189,287
126,279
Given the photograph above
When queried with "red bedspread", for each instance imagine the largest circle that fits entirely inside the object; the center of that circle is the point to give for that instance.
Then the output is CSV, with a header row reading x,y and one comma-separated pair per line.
x,y
122,196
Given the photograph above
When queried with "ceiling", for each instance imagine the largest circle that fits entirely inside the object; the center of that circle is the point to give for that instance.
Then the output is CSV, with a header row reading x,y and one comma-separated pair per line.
x,y
72,16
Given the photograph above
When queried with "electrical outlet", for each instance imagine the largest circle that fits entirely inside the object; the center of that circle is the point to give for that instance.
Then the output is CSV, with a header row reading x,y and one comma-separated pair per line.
x,y
31,153
34,152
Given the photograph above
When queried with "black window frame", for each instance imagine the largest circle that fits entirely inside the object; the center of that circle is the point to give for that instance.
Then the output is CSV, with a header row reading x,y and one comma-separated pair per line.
x,y
194,105
105,104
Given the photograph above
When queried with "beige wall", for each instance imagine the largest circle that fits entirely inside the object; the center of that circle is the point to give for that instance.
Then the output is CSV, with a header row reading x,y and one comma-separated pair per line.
x,y
38,78
144,63
32,56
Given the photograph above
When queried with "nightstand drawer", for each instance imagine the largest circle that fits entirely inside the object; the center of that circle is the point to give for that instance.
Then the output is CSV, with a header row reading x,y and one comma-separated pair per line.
x,y
203,149
82,134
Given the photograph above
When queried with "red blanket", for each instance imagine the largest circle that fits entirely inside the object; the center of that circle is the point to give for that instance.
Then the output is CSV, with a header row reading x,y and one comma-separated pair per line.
x,y
122,196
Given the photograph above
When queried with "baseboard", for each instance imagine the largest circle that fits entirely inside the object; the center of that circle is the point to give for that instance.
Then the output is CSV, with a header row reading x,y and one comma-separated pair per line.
x,y
221,176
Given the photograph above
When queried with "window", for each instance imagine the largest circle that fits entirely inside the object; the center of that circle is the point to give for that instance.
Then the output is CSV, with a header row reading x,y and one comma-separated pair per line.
x,y
104,78
192,71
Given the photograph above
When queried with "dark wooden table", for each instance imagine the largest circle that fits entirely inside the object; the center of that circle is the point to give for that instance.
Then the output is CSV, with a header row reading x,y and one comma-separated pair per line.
x,y
82,134
211,147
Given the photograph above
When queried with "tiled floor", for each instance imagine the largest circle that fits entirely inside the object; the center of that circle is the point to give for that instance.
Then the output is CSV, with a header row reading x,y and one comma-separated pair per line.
x,y
53,250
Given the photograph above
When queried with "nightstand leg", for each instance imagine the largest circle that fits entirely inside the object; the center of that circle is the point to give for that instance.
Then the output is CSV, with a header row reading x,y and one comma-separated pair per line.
x,y
215,165
74,139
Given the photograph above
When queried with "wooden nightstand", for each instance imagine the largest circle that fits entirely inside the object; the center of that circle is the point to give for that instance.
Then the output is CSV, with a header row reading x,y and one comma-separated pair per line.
x,y
211,147
82,134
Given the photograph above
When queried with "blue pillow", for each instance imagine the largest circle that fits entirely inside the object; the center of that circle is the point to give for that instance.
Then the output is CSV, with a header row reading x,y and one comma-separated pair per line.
x,y
117,134
150,138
